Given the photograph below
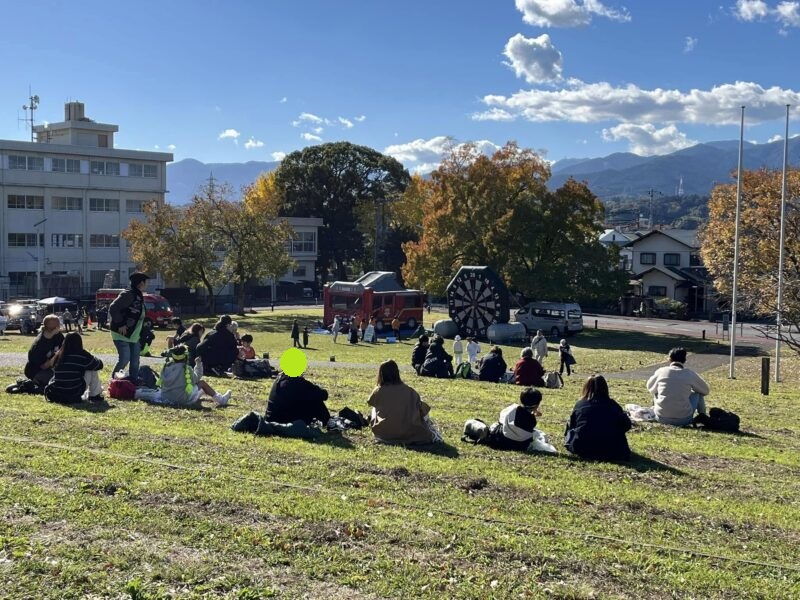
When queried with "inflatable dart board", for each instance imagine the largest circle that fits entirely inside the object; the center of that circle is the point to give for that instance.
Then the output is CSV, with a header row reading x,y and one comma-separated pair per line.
x,y
477,298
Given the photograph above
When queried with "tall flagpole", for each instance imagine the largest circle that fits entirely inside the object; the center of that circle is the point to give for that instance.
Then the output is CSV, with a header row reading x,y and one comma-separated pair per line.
x,y
732,370
779,307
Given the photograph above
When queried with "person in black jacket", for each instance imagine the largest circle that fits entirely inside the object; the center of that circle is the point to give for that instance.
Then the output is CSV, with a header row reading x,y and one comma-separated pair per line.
x,y
419,352
492,366
39,367
295,335
438,363
219,349
127,313
190,338
295,398
74,371
597,426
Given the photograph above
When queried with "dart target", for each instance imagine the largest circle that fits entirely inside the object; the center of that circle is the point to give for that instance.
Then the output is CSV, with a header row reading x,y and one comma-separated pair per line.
x,y
477,298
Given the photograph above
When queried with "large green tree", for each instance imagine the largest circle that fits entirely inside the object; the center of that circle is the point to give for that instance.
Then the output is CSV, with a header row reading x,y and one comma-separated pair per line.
x,y
497,211
341,183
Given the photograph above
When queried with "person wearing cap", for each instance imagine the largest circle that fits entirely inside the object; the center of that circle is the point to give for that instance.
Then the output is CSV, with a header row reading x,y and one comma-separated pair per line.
x,y
127,313
219,349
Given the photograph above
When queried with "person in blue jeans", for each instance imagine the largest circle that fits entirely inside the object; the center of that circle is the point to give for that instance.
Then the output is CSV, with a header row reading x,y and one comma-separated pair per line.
x,y
678,392
127,313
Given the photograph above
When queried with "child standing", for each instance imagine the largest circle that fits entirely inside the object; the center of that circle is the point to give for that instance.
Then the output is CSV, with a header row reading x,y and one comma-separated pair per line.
x,y
305,337
473,349
567,360
458,350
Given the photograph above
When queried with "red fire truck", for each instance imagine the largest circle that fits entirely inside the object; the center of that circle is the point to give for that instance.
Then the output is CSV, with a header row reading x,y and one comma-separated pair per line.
x,y
375,294
157,308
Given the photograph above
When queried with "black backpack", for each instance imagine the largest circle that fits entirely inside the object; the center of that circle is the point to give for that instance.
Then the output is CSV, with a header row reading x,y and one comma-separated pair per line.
x,y
722,420
147,378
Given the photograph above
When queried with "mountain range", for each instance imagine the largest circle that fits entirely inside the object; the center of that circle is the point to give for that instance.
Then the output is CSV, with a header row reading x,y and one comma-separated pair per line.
x,y
620,175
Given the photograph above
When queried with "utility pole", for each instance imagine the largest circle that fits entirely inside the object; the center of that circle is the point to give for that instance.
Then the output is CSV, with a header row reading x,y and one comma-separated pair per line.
x,y
652,193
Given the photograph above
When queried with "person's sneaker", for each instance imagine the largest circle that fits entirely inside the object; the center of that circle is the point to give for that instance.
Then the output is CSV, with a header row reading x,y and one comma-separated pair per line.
x,y
248,423
12,389
223,399
99,399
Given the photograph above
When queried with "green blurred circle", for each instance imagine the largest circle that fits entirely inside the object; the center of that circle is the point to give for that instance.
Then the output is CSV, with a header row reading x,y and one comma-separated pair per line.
x,y
293,362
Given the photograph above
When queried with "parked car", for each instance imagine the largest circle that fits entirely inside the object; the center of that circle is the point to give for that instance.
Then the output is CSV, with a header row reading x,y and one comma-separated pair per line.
x,y
555,319
24,318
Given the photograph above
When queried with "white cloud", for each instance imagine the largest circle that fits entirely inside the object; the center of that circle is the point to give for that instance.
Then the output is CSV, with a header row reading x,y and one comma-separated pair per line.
x,y
775,138
278,155
646,140
786,13
535,59
347,123
317,130
751,10
596,102
308,118
229,134
689,44
253,143
310,137
283,100
567,13
171,147
360,118
157,147
423,156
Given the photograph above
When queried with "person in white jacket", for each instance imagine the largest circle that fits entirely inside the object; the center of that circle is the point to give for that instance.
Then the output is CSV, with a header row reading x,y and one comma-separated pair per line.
x,y
539,347
458,350
473,349
677,391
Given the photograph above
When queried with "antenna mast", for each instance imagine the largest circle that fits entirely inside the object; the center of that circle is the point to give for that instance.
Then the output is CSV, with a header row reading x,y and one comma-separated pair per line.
x,y
30,110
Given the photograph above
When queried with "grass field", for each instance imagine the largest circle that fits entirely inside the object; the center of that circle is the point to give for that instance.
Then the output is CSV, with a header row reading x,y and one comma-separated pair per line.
x,y
146,502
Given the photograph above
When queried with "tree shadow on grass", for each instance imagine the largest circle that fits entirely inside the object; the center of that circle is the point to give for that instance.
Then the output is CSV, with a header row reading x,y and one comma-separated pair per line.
x,y
604,339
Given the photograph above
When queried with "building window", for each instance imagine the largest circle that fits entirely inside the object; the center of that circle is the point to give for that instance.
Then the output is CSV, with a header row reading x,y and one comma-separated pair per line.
x,y
657,290
112,168
104,204
17,162
299,271
150,171
135,206
20,277
135,170
24,240
103,240
102,140
647,258
672,259
304,241
26,202
66,240
97,167
695,260
67,203
68,165
35,163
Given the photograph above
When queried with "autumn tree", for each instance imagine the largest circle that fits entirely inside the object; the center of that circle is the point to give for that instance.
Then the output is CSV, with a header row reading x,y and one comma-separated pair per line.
x,y
341,183
497,211
759,238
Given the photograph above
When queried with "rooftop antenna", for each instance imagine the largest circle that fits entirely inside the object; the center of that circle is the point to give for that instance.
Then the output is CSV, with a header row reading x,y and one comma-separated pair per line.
x,y
30,110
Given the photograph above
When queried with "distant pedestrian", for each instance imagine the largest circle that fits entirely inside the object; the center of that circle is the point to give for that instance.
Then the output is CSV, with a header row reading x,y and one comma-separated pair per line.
x,y
305,337
473,349
567,360
396,328
67,317
337,325
374,333
458,350
364,324
539,346
295,335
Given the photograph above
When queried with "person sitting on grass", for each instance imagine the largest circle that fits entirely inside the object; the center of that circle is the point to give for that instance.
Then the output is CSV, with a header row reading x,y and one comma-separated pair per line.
x,y
528,371
172,340
677,391
597,425
39,368
419,352
246,350
219,349
492,366
75,371
191,339
399,416
295,398
182,385
438,363
515,425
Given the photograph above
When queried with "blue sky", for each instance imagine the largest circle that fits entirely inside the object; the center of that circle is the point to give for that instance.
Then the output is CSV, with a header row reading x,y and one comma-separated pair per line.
x,y
236,81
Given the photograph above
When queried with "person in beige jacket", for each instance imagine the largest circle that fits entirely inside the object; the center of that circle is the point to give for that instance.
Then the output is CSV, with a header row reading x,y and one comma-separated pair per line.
x,y
399,416
677,391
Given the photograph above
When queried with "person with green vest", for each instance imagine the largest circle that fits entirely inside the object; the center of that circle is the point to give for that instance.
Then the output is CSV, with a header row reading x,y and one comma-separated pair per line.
x,y
127,313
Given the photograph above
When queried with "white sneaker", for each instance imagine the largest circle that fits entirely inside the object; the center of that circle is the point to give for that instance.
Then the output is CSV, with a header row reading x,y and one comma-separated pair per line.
x,y
223,399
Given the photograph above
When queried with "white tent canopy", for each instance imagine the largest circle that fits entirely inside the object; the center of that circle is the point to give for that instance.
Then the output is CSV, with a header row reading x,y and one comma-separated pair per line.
x,y
56,300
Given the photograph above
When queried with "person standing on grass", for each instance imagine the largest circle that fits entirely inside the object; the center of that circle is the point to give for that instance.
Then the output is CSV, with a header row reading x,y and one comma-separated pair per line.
x,y
39,367
473,349
127,317
539,347
597,425
567,360
305,337
396,328
295,335
677,391
528,371
75,371
66,316
337,325
399,416
458,350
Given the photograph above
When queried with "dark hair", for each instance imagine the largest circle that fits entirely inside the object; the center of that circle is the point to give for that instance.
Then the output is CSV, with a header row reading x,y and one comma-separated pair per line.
x,y
595,389
678,355
137,278
437,339
177,320
389,373
423,338
497,350
247,338
73,343
225,319
196,328
530,397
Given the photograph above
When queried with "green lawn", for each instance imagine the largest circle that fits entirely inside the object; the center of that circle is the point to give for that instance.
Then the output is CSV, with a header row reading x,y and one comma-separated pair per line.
x,y
146,502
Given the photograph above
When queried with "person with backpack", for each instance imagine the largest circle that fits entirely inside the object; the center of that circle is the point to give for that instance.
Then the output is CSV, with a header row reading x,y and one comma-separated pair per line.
x,y
219,349
419,352
677,392
567,359
127,318
458,350
182,385
492,366
516,422
75,371
399,416
295,335
539,347
39,368
528,371
597,425
296,399
438,363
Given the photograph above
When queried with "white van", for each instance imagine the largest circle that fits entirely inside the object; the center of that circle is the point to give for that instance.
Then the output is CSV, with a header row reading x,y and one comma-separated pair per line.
x,y
555,319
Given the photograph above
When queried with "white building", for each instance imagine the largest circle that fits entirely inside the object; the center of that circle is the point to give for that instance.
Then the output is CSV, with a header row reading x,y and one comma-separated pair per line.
x,y
65,199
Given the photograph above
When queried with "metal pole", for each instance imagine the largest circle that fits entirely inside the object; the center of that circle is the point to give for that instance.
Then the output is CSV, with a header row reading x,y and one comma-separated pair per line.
x,y
779,305
732,368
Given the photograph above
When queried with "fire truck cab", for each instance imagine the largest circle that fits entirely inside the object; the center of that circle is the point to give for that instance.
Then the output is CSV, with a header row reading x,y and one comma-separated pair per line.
x,y
375,294
157,308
